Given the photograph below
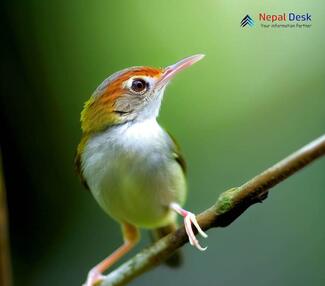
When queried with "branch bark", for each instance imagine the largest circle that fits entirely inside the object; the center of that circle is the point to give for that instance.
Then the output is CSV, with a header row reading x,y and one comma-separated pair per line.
x,y
229,206
5,265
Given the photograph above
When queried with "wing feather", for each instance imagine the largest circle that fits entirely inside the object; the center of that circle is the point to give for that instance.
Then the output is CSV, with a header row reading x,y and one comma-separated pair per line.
x,y
78,162
179,158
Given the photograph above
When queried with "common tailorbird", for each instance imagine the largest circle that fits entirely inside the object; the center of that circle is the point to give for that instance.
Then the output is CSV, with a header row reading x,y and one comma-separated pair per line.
x,y
133,167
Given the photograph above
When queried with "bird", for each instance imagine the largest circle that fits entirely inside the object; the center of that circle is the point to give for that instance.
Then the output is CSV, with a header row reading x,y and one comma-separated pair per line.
x,y
133,167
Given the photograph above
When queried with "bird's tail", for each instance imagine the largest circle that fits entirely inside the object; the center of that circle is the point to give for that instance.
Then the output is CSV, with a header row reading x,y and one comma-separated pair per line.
x,y
176,259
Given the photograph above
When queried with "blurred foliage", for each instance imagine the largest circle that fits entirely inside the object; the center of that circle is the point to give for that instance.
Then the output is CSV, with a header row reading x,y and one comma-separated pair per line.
x,y
257,96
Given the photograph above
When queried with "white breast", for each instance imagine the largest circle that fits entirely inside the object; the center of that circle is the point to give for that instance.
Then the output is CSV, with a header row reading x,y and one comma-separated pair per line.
x,y
131,167
105,148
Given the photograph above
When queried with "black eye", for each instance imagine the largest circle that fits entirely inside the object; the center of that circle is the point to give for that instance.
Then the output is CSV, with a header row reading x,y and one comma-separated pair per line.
x,y
139,85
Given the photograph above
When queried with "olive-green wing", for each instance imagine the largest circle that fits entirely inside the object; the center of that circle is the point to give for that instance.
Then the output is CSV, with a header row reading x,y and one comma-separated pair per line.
x,y
77,161
77,165
179,158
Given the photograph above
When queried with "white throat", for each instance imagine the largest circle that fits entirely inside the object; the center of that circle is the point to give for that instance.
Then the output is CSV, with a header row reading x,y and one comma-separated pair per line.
x,y
151,109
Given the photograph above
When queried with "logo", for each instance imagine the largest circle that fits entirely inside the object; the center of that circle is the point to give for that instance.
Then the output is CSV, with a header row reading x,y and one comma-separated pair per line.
x,y
284,20
247,20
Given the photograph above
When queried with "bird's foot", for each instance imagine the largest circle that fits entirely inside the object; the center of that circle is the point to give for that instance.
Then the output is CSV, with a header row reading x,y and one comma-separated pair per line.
x,y
94,277
189,220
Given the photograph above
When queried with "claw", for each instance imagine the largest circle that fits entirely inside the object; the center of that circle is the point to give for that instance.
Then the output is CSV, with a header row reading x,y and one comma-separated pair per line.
x,y
189,220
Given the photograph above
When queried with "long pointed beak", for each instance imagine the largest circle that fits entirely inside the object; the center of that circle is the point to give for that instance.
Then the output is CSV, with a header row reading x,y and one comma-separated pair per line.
x,y
171,71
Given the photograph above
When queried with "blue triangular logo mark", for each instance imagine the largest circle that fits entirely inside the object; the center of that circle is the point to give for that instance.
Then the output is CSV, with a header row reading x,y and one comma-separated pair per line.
x,y
247,20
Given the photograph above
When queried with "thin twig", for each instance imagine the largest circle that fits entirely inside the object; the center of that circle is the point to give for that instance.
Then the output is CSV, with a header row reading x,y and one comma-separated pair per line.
x,y
5,267
230,205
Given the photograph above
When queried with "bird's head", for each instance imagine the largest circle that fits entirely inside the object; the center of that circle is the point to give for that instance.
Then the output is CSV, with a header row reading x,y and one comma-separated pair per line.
x,y
131,94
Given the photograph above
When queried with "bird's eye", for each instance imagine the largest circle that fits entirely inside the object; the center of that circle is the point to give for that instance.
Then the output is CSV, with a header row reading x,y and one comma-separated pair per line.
x,y
139,85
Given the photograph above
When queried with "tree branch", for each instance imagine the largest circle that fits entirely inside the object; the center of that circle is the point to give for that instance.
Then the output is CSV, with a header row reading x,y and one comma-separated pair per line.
x,y
230,205
5,265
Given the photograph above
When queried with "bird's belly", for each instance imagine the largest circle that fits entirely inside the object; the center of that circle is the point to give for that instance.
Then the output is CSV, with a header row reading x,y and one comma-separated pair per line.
x,y
138,188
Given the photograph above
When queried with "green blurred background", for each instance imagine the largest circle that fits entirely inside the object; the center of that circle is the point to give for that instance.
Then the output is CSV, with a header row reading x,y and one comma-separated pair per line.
x,y
257,96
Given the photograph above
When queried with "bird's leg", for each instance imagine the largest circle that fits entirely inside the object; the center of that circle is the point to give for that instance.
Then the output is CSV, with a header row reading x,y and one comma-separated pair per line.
x,y
131,237
189,219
